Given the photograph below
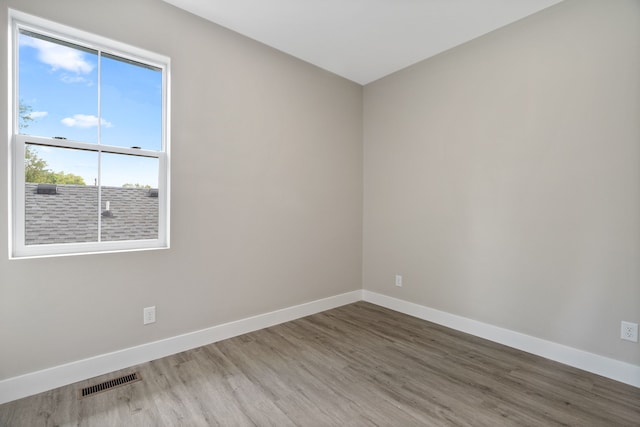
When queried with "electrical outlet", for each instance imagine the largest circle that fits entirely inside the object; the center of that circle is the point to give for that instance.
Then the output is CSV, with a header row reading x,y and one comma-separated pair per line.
x,y
629,331
149,315
398,280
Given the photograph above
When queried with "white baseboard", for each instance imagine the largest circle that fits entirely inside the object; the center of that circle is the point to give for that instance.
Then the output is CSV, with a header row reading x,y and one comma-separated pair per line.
x,y
57,376
600,365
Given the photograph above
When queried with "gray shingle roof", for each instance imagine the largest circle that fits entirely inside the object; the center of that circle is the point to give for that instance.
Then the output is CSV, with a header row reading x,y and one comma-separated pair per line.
x,y
71,216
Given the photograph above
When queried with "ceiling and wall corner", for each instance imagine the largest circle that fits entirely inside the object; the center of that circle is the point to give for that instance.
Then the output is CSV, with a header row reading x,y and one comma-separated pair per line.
x,y
363,40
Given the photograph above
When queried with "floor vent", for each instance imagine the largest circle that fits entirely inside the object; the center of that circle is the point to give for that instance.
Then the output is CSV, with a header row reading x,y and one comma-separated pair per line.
x,y
108,385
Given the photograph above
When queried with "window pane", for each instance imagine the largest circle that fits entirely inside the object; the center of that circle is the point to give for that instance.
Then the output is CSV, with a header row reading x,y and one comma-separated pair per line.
x,y
129,186
79,194
58,89
67,210
131,98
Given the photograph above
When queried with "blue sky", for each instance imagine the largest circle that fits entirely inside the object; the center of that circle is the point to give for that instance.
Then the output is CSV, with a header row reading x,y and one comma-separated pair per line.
x,y
60,84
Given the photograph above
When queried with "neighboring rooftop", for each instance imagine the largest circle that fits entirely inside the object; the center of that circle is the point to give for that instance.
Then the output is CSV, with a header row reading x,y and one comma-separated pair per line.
x,y
71,215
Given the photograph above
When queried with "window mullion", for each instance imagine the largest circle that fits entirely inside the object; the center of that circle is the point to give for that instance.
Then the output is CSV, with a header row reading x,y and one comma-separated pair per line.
x,y
99,213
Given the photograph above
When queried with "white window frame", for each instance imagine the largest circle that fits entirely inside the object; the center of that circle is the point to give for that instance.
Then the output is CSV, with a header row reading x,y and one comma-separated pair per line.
x,y
17,142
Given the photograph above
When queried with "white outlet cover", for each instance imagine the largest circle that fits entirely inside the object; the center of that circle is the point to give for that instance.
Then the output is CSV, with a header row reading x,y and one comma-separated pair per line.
x,y
149,315
629,331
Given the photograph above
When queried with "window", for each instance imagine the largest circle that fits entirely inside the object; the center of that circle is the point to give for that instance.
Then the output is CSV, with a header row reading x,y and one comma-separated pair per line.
x,y
89,146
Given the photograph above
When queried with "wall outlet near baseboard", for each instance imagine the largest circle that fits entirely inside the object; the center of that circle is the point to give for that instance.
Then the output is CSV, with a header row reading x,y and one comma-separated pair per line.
x,y
149,315
629,331
398,280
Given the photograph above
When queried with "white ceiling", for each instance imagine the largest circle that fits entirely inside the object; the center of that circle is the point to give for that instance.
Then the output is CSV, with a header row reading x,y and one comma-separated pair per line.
x,y
363,40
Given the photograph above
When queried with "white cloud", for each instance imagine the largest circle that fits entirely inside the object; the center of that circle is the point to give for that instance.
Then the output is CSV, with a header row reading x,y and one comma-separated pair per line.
x,y
67,78
59,56
37,114
85,121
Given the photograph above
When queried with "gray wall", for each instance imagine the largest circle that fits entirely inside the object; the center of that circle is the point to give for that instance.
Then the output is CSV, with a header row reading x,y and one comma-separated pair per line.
x,y
266,196
502,178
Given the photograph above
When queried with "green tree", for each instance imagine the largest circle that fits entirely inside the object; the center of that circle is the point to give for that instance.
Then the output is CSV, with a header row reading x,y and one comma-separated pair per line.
x,y
24,115
35,171
35,168
66,178
136,185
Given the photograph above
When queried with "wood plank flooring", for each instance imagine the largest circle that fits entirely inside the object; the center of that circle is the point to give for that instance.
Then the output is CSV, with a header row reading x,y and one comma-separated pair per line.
x,y
357,365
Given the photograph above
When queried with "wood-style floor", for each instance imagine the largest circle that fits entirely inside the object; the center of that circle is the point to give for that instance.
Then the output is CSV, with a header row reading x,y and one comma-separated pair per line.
x,y
357,365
